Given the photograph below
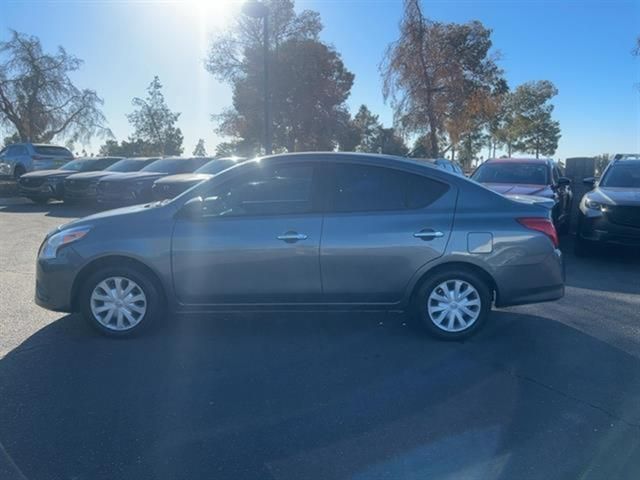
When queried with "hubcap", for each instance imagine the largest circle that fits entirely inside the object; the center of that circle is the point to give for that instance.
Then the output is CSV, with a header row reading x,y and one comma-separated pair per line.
x,y
454,305
118,303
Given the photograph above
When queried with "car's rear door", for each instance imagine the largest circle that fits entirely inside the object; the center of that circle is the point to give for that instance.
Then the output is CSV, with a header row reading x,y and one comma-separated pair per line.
x,y
257,242
381,225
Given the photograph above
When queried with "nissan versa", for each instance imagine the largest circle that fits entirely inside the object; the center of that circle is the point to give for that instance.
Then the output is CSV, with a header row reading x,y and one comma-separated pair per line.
x,y
308,230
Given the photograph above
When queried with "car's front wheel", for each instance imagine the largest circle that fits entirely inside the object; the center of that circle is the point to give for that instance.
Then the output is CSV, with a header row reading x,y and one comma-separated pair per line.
x,y
120,301
453,305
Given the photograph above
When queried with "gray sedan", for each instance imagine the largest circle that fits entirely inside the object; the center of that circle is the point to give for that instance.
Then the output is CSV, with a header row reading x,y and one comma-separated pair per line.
x,y
305,231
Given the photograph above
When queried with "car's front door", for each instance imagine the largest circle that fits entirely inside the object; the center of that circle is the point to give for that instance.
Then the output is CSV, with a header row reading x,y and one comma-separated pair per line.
x,y
257,241
380,227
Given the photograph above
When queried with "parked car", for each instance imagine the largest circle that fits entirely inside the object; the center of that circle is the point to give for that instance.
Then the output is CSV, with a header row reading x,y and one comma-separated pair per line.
x,y
444,164
331,230
135,187
20,158
173,185
610,213
530,177
44,185
82,187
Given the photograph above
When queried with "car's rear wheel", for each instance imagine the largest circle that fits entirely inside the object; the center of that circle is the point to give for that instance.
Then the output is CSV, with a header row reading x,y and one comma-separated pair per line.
x,y
120,301
453,304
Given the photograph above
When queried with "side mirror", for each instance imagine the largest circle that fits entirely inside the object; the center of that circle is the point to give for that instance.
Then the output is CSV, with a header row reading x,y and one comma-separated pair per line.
x,y
589,181
564,182
192,209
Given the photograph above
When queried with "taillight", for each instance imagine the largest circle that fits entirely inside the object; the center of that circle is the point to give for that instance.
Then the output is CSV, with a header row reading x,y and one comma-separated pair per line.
x,y
543,225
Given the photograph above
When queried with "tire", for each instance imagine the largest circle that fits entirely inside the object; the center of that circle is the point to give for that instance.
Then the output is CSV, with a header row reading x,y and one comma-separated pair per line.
x,y
95,288
581,247
427,308
19,171
563,228
39,200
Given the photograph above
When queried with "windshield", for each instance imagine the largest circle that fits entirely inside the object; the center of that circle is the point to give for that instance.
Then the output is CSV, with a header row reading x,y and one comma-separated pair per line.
x,y
126,165
622,175
513,173
166,165
78,165
215,166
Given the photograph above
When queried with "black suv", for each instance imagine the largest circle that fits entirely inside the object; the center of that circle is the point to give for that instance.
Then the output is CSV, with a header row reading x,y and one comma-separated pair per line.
x,y
610,213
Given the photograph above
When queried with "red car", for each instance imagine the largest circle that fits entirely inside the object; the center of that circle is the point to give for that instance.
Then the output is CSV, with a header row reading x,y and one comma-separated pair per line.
x,y
538,177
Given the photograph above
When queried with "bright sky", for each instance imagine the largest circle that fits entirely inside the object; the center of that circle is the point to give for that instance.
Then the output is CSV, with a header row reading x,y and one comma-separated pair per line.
x,y
584,47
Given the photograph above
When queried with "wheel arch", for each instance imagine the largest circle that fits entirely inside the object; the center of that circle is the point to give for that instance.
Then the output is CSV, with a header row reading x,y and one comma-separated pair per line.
x,y
455,266
110,261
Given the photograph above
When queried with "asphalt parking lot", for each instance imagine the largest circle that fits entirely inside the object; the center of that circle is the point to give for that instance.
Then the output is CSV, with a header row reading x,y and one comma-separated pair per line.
x,y
545,391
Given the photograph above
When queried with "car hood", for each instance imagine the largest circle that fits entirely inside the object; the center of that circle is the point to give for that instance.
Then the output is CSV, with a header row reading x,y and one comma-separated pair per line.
x,y
135,176
49,173
185,178
109,215
532,200
521,189
91,175
616,196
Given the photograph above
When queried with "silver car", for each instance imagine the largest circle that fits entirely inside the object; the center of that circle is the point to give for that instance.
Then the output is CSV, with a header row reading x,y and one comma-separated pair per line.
x,y
309,230
21,158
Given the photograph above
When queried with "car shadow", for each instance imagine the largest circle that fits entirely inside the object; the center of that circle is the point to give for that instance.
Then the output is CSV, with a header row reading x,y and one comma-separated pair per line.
x,y
327,396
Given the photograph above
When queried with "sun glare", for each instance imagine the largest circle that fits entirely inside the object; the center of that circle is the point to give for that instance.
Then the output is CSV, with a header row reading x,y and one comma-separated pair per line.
x,y
214,13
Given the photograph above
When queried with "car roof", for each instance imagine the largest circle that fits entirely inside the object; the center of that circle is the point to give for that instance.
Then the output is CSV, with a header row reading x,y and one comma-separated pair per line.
x,y
518,160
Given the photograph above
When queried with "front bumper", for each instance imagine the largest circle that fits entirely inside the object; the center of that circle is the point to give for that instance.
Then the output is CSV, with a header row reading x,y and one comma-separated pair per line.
x,y
55,278
601,230
44,191
77,194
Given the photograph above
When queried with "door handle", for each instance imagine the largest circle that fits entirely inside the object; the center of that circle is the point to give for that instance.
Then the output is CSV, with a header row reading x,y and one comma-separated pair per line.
x,y
292,237
428,234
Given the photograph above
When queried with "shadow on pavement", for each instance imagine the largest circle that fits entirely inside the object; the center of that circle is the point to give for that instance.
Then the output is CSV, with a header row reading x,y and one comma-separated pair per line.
x,y
53,209
607,268
326,396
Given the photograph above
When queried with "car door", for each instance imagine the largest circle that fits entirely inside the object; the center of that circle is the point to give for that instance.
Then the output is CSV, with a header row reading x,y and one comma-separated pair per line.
x,y
380,227
257,242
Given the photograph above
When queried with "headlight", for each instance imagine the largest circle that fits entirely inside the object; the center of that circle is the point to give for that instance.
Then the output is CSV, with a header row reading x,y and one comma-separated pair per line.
x,y
51,246
593,205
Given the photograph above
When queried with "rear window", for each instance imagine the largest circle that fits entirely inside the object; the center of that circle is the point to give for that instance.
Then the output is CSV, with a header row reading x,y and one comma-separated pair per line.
x,y
361,188
515,173
52,151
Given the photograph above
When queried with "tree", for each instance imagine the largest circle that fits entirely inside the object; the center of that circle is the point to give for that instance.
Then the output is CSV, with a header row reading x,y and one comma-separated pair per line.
x,y
128,148
432,70
155,124
368,127
37,97
308,81
529,126
200,151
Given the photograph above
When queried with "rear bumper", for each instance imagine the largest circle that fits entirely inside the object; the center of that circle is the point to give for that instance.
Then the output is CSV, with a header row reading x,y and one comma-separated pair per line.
x,y
601,230
531,283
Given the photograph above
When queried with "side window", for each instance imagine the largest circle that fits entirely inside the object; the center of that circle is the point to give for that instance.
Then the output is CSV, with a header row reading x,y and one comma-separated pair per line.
x,y
361,188
276,190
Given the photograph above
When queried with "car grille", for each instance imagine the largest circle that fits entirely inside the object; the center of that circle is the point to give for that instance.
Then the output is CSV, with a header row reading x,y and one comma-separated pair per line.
x,y
31,182
624,215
